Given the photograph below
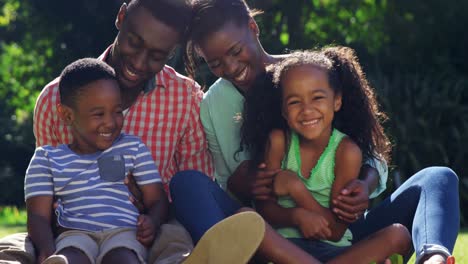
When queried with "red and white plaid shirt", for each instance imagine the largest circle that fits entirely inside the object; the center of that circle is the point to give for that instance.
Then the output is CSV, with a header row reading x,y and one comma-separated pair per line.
x,y
165,116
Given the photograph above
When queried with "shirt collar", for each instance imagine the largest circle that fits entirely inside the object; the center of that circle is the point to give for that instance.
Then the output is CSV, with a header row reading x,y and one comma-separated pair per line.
x,y
153,83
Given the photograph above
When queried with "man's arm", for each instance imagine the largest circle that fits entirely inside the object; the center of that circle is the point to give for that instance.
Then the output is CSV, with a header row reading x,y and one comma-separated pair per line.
x,y
44,115
192,150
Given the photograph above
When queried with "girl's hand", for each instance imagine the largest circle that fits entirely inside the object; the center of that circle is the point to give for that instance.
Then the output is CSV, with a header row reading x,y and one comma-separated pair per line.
x,y
352,202
313,225
145,230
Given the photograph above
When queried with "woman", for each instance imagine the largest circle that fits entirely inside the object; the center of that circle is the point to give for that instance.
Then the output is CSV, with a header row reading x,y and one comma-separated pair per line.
x,y
225,34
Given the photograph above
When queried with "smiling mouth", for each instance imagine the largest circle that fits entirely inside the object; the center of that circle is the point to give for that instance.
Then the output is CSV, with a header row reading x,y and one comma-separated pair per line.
x,y
310,122
106,135
130,75
241,76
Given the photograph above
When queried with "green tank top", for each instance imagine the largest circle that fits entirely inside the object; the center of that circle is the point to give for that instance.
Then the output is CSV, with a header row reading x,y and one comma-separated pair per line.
x,y
319,183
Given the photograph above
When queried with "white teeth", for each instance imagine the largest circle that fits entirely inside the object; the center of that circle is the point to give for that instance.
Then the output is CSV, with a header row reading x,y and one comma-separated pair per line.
x,y
105,134
130,73
242,75
309,123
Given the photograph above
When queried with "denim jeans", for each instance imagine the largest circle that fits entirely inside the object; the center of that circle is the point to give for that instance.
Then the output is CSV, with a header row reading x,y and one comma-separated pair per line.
x,y
427,204
199,202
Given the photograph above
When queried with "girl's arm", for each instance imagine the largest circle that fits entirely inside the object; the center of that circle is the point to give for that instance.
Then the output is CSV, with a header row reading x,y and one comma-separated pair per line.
x,y
39,211
311,223
348,161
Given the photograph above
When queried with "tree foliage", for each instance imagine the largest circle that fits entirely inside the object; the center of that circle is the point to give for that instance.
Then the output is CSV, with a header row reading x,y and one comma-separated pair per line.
x,y
413,51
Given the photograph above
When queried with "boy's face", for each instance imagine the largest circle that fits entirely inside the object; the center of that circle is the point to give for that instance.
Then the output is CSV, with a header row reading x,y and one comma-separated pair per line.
x,y
96,117
142,47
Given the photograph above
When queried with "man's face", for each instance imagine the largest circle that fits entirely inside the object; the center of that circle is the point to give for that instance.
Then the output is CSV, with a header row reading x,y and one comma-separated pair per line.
x,y
142,47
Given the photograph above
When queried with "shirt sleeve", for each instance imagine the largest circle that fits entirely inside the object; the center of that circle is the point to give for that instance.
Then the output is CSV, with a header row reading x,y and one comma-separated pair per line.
x,y
382,169
220,166
192,150
38,180
43,120
145,170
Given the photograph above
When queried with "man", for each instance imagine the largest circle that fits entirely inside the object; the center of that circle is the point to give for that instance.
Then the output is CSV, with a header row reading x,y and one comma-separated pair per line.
x,y
161,107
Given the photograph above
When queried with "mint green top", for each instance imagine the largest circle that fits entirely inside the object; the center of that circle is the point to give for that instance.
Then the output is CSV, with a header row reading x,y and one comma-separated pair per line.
x,y
319,183
221,116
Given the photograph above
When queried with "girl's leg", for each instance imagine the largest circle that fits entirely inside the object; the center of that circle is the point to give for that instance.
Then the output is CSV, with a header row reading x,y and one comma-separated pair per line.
x,y
394,239
120,255
427,204
200,203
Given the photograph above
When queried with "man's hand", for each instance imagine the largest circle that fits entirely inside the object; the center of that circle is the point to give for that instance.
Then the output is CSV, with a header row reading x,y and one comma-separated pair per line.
x,y
352,202
261,187
145,230
313,225
136,195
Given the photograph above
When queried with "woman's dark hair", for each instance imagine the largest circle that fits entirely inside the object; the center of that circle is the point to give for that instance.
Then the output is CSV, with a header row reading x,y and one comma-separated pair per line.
x,y
359,116
262,113
208,17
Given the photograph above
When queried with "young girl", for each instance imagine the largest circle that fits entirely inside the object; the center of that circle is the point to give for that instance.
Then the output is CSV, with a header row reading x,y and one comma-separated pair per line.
x,y
332,123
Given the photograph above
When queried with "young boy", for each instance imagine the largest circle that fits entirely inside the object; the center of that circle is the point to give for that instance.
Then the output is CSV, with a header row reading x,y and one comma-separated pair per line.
x,y
96,221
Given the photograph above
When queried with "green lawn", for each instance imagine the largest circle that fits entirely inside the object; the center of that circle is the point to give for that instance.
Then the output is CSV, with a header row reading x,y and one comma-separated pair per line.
x,y
14,221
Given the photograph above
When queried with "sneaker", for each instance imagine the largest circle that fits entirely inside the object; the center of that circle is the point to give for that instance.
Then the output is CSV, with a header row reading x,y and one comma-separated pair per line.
x,y
56,259
450,260
231,241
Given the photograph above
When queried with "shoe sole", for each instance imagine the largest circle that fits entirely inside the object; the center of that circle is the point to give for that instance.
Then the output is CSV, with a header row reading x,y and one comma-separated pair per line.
x,y
55,259
231,241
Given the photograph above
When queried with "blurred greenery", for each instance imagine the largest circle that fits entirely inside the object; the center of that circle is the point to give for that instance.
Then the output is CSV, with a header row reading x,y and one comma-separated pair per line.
x,y
413,51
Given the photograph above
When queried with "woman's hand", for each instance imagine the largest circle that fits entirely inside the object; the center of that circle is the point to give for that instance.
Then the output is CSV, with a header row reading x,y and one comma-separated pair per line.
x,y
352,202
136,195
261,187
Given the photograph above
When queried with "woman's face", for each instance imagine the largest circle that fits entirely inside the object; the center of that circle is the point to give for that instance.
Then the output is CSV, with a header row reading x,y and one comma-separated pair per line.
x,y
234,53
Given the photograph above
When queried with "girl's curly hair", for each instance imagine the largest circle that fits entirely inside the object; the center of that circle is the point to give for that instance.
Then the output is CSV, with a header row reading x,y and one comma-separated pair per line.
x,y
359,116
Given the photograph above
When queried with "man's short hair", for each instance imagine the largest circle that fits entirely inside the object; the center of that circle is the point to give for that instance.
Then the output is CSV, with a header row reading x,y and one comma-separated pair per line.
x,y
79,74
174,13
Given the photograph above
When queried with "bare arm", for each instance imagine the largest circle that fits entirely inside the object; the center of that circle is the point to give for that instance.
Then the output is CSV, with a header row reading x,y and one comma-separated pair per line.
x,y
348,162
155,199
39,210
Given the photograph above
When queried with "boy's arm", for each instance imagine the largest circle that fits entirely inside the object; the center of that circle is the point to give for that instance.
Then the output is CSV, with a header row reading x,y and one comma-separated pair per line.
x,y
348,162
39,211
155,199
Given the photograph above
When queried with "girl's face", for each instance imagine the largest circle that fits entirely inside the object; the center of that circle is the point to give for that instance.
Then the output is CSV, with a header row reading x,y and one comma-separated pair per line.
x,y
234,53
308,101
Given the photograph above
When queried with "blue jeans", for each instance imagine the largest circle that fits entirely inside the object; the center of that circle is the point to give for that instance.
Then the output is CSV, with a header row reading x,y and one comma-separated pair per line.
x,y
427,204
199,203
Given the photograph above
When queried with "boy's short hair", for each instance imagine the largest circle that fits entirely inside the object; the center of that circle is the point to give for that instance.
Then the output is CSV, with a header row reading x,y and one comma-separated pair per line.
x,y
80,73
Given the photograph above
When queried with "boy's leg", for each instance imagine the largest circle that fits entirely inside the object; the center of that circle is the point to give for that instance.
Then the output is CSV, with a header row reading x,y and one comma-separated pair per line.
x,y
18,249
120,245
427,204
76,246
394,239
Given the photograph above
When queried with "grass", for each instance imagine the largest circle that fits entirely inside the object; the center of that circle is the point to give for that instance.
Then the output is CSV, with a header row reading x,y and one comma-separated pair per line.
x,y
13,220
